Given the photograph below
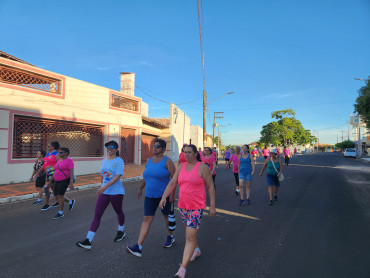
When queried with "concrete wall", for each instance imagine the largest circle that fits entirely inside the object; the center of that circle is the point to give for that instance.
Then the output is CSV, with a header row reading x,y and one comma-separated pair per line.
x,y
196,136
80,101
179,130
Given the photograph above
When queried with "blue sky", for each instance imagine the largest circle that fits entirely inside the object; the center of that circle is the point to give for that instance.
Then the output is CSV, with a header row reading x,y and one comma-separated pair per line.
x,y
273,54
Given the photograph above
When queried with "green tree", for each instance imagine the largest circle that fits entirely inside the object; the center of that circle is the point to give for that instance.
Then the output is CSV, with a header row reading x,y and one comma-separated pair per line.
x,y
362,103
286,130
345,144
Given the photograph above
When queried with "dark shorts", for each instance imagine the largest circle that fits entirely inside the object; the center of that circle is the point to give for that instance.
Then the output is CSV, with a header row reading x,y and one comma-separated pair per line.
x,y
40,181
265,156
272,180
60,187
151,205
227,159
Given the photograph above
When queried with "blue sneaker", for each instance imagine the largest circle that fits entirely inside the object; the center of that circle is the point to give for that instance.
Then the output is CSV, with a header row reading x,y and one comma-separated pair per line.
x,y
242,203
134,250
248,202
169,241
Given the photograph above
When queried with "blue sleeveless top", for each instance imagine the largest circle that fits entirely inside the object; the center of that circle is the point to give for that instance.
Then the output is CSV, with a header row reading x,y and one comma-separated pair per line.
x,y
245,164
156,178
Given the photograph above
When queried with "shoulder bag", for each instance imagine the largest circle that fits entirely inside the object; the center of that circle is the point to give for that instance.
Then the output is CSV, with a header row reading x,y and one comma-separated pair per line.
x,y
281,178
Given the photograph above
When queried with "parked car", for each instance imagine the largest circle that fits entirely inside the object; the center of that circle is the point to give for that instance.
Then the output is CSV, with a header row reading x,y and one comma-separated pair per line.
x,y
349,153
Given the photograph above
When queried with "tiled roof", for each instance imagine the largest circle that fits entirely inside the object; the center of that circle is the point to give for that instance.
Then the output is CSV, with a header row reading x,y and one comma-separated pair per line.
x,y
10,57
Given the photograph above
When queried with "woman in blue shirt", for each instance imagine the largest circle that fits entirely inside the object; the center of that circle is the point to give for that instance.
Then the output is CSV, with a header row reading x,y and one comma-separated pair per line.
x,y
157,174
111,191
246,171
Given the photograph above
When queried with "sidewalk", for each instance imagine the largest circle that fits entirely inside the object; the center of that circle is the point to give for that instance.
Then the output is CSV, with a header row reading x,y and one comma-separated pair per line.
x,y
21,191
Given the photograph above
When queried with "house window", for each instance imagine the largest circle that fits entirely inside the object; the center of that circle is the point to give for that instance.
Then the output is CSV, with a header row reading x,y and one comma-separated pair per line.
x,y
32,134
124,103
30,80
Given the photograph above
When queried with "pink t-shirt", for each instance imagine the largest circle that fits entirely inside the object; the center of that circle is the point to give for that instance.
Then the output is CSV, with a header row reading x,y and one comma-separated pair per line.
x,y
63,166
266,152
192,193
254,153
286,152
182,158
235,160
209,162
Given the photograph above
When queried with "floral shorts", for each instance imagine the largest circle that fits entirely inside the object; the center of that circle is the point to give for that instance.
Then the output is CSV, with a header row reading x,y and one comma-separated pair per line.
x,y
191,217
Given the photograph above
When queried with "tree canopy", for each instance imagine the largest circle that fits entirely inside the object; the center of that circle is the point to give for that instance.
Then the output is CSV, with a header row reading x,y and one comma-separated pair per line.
x,y
362,103
345,144
286,130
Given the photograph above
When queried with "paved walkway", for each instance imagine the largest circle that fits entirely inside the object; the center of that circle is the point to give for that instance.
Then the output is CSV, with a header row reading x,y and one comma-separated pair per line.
x,y
18,189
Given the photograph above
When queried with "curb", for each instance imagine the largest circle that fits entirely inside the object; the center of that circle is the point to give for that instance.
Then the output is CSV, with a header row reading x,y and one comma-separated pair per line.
x,y
12,199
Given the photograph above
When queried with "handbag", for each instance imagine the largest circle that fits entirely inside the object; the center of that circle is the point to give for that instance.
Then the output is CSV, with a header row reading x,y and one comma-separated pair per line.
x,y
281,178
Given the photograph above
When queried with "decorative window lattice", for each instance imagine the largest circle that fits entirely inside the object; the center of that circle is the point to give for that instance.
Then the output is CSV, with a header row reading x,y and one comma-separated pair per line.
x,y
30,80
124,103
33,134
147,142
128,145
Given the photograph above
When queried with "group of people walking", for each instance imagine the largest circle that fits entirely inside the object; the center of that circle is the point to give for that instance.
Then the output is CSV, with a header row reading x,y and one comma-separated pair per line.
x,y
160,179
53,172
195,169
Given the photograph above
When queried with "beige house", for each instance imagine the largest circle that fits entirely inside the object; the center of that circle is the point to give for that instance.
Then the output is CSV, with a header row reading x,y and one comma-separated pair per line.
x,y
38,106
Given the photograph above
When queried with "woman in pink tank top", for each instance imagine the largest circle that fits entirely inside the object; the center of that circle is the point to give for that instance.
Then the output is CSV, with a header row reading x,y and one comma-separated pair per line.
x,y
191,177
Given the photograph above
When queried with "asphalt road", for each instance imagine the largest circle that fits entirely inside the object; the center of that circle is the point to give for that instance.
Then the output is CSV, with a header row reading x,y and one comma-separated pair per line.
x,y
318,228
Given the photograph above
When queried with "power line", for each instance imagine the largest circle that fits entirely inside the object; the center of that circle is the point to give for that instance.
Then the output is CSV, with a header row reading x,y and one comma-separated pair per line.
x,y
169,102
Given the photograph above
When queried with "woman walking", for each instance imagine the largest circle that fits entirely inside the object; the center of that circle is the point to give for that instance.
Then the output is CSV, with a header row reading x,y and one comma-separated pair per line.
x,y
39,175
266,152
63,177
191,177
235,160
254,153
111,191
246,171
210,161
274,169
287,155
157,174
182,155
227,154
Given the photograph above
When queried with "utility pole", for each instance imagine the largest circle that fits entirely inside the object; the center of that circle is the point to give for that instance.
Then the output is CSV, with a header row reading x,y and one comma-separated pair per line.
x,y
204,118
218,141
318,141
216,115
314,142
348,131
342,133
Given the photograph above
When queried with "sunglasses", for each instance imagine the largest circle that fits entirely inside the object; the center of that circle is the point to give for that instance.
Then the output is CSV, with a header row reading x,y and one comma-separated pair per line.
x,y
157,146
111,147
61,152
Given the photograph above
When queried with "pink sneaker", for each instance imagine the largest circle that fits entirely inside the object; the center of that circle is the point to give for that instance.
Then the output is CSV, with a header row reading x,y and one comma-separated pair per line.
x,y
181,272
196,254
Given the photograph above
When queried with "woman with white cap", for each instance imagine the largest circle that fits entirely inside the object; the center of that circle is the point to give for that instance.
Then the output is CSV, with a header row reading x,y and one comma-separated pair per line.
x,y
274,169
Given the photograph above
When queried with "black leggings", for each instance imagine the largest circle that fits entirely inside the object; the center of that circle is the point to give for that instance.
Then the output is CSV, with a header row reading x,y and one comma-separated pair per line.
x,y
286,160
236,175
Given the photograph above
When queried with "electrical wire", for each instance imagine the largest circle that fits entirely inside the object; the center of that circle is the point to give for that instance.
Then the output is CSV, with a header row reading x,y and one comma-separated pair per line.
x,y
169,102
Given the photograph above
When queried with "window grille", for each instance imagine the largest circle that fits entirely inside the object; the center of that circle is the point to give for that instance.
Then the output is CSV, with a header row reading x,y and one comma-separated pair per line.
x,y
124,103
147,142
32,134
127,151
30,80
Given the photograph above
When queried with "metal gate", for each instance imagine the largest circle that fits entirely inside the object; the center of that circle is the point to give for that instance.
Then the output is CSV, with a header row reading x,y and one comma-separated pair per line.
x,y
128,145
147,142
